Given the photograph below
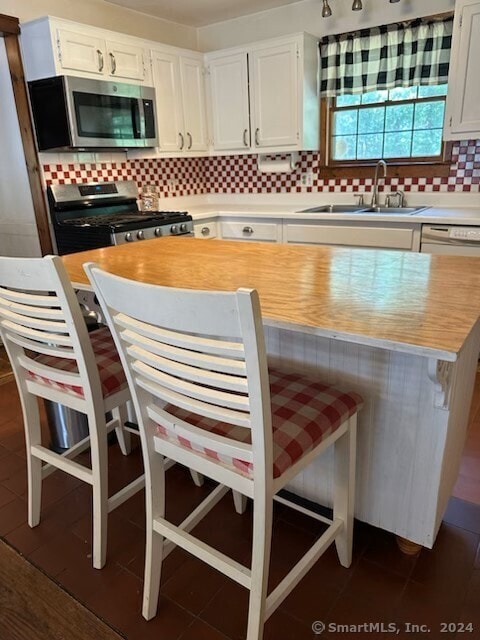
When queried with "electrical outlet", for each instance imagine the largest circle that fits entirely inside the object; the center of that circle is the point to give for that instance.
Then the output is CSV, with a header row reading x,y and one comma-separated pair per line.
x,y
306,179
172,185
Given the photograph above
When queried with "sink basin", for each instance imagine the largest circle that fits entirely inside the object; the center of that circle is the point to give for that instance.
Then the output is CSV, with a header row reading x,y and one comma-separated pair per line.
x,y
335,208
395,210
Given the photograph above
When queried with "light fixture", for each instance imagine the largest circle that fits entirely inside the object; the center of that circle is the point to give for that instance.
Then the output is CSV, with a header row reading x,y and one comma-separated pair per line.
x,y
326,11
357,5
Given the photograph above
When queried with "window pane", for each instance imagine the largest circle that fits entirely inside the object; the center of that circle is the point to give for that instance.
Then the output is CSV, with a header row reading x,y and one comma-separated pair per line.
x,y
348,101
429,115
374,96
370,146
345,122
435,90
371,120
403,93
399,118
344,147
398,144
427,142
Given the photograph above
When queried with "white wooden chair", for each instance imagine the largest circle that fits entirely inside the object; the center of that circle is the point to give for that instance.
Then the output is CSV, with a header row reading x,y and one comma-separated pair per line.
x,y
53,357
196,365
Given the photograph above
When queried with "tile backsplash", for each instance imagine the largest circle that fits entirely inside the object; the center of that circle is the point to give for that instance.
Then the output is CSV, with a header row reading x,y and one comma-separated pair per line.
x,y
240,174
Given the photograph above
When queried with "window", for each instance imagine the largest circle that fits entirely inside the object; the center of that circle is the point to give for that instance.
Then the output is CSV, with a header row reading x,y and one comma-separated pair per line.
x,y
403,124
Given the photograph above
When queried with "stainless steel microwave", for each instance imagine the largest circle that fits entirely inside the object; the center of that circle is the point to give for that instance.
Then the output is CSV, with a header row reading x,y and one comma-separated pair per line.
x,y
76,113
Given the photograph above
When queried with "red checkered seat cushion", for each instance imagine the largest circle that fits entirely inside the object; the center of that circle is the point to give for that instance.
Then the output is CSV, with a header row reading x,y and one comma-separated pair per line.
x,y
304,412
112,376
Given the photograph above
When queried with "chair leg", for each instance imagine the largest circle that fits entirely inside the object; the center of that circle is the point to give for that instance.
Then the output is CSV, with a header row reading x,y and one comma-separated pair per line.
x,y
31,418
262,539
344,491
155,507
240,502
197,478
99,455
123,436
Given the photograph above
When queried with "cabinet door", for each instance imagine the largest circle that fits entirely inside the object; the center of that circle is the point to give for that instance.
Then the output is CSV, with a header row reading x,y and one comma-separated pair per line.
x,y
81,52
193,99
125,61
166,80
229,102
275,93
463,110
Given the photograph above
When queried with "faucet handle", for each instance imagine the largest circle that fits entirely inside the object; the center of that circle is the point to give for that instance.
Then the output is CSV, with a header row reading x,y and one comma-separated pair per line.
x,y
395,199
358,197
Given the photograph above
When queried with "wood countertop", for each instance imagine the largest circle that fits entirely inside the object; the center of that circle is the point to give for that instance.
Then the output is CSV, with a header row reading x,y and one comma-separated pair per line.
x,y
414,303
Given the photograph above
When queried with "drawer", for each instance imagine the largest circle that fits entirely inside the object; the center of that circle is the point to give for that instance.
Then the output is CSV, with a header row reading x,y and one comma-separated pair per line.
x,y
205,229
251,230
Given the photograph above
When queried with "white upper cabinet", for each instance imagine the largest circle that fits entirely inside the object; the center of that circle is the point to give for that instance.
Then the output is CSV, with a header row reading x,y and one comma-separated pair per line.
x,y
51,46
178,79
229,106
462,115
264,98
276,99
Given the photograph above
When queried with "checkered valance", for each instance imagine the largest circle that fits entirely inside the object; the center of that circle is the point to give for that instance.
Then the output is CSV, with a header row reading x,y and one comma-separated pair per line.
x,y
395,55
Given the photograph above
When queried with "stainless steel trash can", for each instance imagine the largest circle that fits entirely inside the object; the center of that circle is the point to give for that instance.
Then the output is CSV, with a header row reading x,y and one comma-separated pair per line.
x,y
67,426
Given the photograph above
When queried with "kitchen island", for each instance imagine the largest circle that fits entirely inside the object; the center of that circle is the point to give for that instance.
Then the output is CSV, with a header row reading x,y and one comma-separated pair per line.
x,y
400,328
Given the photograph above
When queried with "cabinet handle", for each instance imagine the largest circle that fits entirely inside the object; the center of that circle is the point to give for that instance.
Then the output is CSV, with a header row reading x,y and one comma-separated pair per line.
x,y
257,137
245,139
205,231
248,230
182,141
114,63
190,140
100,60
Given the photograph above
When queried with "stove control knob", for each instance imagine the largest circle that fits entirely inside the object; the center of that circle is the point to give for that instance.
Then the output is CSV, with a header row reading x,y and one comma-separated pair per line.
x,y
128,237
158,232
140,235
183,227
174,229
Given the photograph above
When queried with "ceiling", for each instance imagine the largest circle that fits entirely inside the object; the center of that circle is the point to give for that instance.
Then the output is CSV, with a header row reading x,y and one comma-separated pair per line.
x,y
199,13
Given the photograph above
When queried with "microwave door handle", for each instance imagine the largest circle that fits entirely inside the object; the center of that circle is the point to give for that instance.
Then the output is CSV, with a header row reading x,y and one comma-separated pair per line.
x,y
139,119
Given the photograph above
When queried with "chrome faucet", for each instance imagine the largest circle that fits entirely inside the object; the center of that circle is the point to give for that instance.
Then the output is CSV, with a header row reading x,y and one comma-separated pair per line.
x,y
380,163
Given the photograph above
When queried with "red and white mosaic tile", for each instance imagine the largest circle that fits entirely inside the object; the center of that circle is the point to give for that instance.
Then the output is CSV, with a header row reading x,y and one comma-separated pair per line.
x,y
240,174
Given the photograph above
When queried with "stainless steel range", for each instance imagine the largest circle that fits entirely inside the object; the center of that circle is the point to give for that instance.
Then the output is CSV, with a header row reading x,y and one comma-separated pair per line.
x,y
90,216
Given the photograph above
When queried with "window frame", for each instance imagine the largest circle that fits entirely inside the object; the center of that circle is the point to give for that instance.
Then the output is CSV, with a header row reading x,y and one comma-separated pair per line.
x,y
399,167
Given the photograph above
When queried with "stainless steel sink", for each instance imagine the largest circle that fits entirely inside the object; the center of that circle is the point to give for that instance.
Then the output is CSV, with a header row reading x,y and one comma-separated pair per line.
x,y
335,208
395,210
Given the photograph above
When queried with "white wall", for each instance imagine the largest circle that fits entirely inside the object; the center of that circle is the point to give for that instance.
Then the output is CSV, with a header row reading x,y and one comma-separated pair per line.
x,y
306,16
18,230
105,15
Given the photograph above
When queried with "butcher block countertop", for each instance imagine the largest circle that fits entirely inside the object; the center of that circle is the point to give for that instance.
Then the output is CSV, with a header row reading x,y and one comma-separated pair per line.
x,y
415,303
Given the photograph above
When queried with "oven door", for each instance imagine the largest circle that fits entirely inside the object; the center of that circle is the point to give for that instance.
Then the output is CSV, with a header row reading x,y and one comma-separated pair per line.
x,y
110,114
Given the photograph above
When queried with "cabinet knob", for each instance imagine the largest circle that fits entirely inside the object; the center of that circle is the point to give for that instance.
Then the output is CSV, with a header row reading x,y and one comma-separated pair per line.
x,y
113,62
248,230
245,138
257,137
182,141
190,140
100,60
205,231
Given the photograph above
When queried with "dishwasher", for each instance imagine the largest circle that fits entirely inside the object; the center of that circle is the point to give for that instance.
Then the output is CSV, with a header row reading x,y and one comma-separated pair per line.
x,y
451,240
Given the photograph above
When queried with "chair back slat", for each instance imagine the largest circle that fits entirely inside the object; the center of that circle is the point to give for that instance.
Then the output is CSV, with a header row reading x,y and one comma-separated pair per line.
x,y
187,372
57,376
185,341
36,336
224,446
44,349
27,298
57,326
186,356
52,313
221,414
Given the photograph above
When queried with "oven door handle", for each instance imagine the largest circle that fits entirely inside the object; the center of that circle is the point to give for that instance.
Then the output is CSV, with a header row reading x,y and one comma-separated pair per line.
x,y
138,119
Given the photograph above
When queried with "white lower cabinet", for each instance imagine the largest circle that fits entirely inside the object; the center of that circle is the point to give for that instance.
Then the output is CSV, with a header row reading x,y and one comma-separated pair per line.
x,y
205,229
367,235
260,230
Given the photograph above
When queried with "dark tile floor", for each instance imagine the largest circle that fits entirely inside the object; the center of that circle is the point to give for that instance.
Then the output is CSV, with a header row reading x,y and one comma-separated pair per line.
x,y
435,588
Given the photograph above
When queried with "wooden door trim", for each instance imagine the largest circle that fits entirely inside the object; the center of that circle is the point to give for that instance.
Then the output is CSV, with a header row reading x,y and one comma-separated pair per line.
x,y
10,29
